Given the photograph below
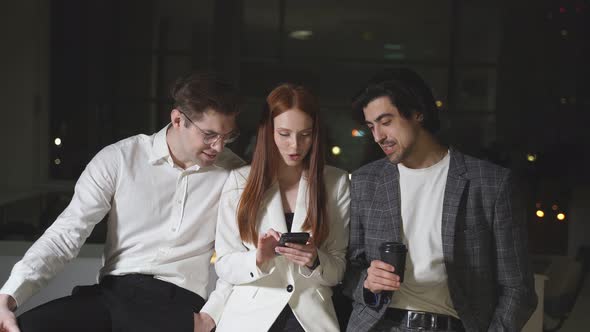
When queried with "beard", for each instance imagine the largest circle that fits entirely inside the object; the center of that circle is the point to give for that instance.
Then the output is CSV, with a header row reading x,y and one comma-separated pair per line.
x,y
392,151
397,154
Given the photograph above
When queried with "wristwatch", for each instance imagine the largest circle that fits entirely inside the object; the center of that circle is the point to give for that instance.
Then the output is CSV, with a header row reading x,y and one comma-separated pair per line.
x,y
316,263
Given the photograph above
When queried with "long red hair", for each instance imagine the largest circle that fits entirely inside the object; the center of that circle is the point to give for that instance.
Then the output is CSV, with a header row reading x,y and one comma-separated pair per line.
x,y
265,165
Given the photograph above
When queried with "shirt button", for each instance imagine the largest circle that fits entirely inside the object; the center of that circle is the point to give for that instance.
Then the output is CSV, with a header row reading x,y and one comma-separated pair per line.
x,y
251,274
290,288
173,229
179,201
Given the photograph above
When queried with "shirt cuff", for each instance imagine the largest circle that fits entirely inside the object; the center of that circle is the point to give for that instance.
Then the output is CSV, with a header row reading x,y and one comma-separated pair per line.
x,y
18,290
371,299
216,302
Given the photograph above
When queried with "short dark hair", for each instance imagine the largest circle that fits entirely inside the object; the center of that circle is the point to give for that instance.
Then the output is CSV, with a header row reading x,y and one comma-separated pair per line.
x,y
200,91
406,90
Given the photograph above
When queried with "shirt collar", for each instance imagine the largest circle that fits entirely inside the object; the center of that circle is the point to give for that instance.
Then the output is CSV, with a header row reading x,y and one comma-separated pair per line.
x,y
160,152
160,147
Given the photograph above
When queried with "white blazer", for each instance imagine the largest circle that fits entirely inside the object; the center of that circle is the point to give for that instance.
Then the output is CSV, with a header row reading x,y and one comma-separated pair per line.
x,y
259,296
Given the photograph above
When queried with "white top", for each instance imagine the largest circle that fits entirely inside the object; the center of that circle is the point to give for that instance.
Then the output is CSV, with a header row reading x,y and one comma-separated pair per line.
x,y
425,280
161,218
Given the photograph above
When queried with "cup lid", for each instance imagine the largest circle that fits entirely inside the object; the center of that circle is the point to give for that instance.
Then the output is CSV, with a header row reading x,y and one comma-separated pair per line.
x,y
393,246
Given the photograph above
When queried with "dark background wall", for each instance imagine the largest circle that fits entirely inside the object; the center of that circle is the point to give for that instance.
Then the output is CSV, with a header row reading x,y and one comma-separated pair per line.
x,y
511,78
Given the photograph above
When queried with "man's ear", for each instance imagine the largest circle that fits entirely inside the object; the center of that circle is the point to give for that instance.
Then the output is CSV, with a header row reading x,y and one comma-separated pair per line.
x,y
175,117
419,116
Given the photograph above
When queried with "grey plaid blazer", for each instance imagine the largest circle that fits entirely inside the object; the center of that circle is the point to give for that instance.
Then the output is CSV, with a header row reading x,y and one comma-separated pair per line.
x,y
484,244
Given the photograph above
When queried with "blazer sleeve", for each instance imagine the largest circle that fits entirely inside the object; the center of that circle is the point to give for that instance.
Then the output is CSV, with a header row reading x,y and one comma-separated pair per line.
x,y
236,263
517,298
332,254
356,271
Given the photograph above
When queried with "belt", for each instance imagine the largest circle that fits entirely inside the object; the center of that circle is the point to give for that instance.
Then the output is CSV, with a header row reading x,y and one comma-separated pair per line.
x,y
424,320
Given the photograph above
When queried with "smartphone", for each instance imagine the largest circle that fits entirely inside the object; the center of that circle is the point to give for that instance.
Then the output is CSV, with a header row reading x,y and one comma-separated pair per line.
x,y
296,237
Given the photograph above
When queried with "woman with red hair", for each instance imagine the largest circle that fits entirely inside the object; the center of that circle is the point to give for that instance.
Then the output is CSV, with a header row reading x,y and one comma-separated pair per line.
x,y
286,189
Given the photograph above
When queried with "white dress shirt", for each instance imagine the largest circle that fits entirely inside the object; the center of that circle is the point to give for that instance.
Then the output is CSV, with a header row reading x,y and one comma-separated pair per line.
x,y
161,218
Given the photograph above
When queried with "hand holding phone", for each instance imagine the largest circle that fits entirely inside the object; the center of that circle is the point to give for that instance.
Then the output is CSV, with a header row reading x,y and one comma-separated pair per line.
x,y
294,237
265,249
301,250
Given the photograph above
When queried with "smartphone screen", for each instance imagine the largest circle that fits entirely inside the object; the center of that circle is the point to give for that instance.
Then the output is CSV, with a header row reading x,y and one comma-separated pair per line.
x,y
295,237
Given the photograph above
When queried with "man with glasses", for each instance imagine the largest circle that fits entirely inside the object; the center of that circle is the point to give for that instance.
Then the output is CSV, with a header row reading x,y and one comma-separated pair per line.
x,y
160,193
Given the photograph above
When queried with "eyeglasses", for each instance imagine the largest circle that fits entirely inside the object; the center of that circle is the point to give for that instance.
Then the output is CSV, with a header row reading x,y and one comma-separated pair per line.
x,y
212,138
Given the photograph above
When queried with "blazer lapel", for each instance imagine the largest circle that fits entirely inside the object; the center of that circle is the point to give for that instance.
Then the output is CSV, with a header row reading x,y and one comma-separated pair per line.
x,y
274,217
454,189
301,205
391,180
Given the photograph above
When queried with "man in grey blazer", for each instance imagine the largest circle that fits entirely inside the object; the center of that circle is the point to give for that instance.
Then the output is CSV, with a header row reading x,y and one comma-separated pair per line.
x,y
467,266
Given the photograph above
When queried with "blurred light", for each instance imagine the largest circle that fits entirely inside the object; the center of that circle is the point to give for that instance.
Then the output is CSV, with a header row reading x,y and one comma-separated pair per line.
x,y
531,157
301,34
336,150
563,100
554,207
439,103
562,10
350,176
561,216
392,47
358,133
540,213
538,205
57,141
564,32
57,161
394,56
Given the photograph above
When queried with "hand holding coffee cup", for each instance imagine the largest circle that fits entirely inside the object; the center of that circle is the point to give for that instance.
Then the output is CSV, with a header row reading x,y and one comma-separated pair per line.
x,y
394,254
387,274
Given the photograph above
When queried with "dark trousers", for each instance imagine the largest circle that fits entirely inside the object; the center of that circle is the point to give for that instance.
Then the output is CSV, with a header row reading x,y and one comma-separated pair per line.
x,y
286,322
126,303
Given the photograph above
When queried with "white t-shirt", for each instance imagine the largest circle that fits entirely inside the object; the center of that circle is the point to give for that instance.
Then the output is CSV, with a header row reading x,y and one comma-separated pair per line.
x,y
425,280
